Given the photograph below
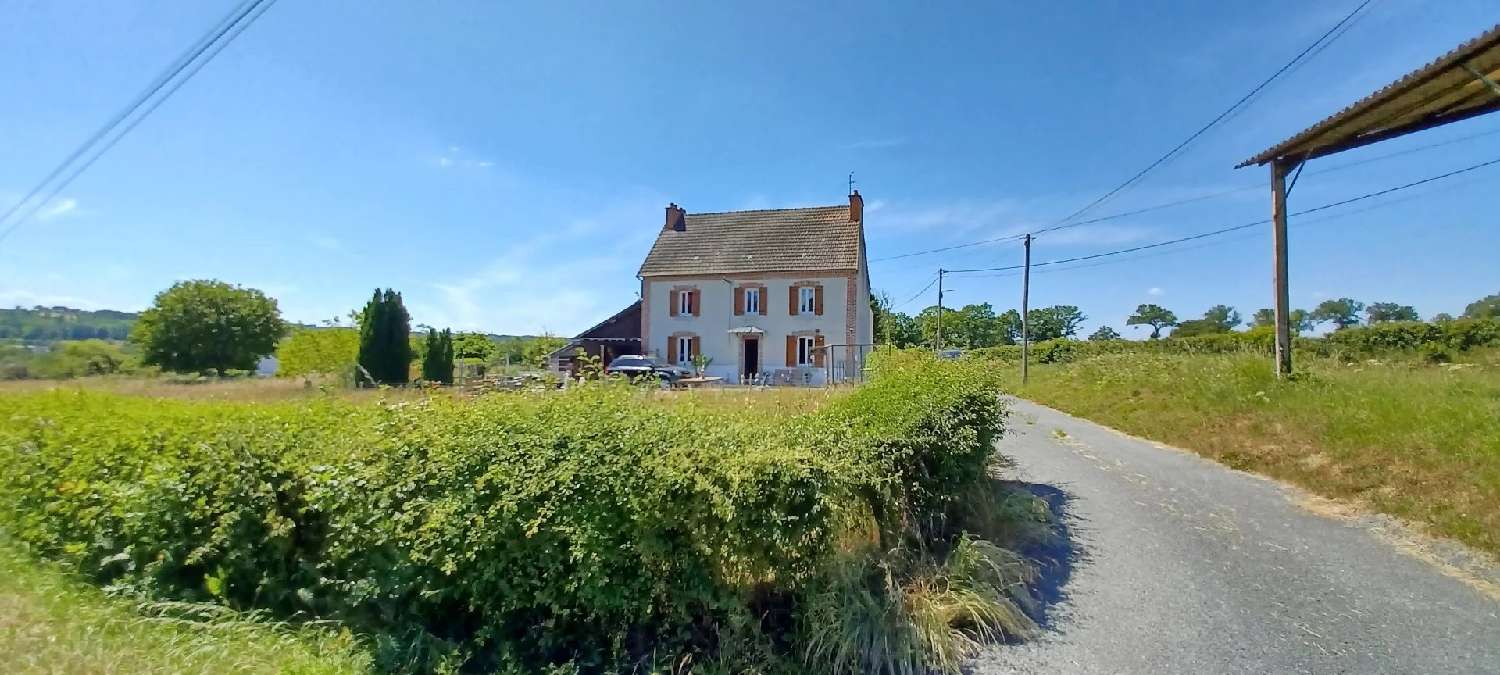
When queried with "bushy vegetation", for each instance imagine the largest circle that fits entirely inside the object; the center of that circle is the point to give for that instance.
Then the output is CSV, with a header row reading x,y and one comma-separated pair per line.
x,y
602,528
1404,436
66,360
318,351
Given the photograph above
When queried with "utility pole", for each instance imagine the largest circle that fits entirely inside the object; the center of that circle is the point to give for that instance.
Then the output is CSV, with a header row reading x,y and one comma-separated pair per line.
x,y
1283,301
939,345
1025,321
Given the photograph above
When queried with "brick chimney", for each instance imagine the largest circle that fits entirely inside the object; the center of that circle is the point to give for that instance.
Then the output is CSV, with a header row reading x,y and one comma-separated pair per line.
x,y
856,207
676,218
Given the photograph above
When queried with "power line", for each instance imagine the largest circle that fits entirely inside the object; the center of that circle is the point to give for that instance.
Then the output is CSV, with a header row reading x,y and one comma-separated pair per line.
x,y
1194,136
1211,233
1196,198
916,295
188,62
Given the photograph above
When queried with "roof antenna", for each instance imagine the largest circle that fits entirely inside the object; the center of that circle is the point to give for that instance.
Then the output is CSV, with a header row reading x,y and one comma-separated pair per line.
x,y
851,182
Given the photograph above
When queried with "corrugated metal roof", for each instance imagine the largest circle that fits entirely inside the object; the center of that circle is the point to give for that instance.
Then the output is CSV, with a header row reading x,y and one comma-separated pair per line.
x,y
777,240
1440,92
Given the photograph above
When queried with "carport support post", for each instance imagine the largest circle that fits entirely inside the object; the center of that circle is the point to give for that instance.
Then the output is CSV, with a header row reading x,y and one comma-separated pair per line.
x,y
1283,301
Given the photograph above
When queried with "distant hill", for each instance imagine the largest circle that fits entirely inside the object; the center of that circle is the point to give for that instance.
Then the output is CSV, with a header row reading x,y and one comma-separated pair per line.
x,y
42,325
50,324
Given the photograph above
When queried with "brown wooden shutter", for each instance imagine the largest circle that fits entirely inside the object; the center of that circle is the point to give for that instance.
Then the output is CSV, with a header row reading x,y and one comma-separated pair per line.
x,y
739,300
818,346
695,301
791,295
672,350
765,299
791,351
818,301
672,303
693,348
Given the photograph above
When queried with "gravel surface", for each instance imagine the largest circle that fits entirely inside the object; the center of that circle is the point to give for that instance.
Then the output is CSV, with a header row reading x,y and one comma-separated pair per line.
x,y
1180,565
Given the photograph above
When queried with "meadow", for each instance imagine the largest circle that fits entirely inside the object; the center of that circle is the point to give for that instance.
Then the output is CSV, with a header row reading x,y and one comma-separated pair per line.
x,y
603,528
1393,431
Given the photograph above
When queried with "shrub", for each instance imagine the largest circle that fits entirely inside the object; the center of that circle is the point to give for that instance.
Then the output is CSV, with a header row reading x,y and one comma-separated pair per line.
x,y
318,351
450,530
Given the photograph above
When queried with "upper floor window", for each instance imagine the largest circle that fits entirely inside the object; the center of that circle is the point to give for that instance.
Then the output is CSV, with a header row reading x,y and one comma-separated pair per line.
x,y
684,302
807,300
752,301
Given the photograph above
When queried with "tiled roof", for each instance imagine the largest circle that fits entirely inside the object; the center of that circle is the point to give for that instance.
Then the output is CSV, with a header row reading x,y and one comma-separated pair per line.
x,y
776,240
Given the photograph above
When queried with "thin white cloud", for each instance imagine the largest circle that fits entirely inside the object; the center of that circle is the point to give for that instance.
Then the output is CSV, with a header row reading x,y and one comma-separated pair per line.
x,y
1155,291
457,158
877,143
325,242
17,297
57,209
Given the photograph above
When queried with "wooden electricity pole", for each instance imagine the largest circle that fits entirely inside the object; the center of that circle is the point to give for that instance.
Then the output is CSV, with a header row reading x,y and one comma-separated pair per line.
x,y
1025,325
939,345
1283,299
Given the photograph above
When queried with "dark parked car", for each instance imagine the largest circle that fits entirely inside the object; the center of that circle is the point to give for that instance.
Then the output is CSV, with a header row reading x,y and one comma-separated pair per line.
x,y
636,367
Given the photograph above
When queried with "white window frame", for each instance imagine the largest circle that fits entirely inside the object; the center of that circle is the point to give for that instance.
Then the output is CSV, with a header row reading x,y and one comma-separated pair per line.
x,y
807,300
685,302
805,346
752,300
684,349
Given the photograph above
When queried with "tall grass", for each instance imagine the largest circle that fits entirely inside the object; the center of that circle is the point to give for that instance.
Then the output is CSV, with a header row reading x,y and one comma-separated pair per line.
x,y
1408,438
51,622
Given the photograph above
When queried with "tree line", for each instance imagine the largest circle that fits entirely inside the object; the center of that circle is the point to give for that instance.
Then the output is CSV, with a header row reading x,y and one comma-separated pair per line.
x,y
978,325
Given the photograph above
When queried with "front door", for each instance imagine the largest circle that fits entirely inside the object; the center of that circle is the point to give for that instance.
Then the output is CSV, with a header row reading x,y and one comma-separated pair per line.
x,y
751,359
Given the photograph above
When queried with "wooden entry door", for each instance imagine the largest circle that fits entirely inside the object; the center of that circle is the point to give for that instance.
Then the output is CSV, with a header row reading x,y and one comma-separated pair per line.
x,y
750,357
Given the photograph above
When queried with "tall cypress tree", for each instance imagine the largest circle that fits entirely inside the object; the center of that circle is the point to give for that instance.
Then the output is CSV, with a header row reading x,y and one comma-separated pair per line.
x,y
384,339
398,339
371,340
445,366
432,358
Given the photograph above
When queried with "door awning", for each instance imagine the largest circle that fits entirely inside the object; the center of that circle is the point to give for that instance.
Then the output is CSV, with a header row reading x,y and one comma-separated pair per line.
x,y
746,330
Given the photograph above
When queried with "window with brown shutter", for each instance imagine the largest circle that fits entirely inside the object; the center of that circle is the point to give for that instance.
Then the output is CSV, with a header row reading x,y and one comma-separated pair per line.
x,y
672,350
672,303
739,300
697,301
818,301
791,302
791,351
818,348
764,300
693,348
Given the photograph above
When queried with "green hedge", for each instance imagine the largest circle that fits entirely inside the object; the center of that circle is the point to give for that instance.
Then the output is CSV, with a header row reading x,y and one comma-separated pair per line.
x,y
588,527
1359,341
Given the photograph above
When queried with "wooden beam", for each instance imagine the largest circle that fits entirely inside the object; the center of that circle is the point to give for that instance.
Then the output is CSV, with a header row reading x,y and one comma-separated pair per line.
x,y
1279,264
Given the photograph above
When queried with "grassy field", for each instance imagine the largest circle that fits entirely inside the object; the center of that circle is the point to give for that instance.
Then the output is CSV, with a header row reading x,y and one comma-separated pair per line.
x,y
1410,439
51,622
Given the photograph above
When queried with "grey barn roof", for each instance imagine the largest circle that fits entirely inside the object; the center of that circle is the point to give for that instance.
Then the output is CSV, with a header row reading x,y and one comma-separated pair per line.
x,y
1456,86
811,239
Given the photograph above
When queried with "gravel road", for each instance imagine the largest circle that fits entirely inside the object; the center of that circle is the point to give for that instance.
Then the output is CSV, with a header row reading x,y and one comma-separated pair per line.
x,y
1180,565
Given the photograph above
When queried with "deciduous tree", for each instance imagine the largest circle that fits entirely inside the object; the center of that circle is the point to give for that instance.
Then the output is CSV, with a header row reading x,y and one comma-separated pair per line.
x,y
1104,334
1487,307
1342,313
202,325
1381,312
1155,316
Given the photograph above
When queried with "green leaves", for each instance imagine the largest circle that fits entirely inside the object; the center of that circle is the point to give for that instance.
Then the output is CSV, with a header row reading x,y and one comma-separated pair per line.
x,y
201,325
611,514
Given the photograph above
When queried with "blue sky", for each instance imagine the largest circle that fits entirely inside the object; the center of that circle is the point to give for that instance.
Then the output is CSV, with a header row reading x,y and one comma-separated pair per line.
x,y
506,166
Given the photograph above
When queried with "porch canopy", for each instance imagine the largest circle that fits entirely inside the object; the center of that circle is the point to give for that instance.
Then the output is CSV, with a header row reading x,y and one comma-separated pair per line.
x,y
1461,84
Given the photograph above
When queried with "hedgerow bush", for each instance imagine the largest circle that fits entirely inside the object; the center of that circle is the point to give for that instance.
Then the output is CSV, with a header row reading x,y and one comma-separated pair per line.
x,y
595,529
1457,335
